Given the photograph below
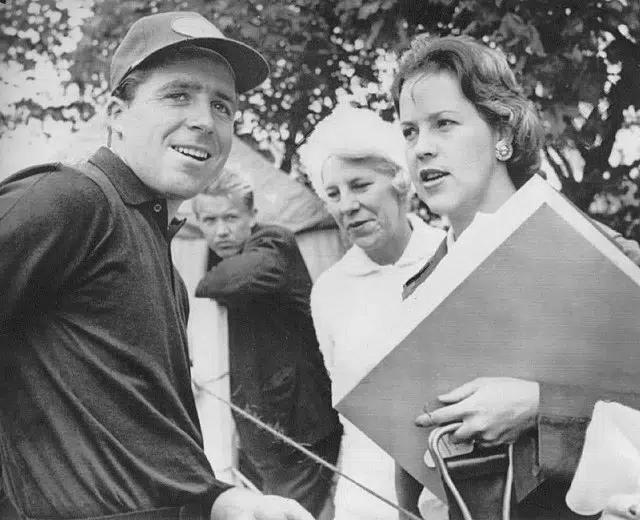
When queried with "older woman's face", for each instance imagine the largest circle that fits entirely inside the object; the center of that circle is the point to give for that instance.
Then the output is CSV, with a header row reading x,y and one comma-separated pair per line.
x,y
363,202
450,148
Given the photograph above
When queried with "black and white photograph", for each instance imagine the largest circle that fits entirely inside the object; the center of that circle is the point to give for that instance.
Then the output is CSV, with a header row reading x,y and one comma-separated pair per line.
x,y
320,260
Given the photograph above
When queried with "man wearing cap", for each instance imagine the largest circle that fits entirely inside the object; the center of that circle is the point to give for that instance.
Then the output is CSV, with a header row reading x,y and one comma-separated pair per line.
x,y
97,417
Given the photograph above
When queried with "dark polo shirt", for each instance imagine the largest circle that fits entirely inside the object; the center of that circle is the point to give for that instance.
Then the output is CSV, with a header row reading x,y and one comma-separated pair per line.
x,y
97,415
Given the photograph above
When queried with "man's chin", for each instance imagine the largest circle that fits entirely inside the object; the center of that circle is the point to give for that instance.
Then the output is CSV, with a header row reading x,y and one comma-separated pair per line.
x,y
191,181
225,252
187,188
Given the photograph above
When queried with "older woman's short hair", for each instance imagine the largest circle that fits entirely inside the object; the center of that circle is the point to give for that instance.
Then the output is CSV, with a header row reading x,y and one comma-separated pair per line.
x,y
361,136
230,185
489,83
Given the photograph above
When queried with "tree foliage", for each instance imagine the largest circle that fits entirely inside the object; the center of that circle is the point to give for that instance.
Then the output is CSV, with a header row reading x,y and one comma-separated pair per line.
x,y
578,61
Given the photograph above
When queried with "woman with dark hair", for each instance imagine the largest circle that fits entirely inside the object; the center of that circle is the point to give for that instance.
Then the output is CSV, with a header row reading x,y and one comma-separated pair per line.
x,y
472,139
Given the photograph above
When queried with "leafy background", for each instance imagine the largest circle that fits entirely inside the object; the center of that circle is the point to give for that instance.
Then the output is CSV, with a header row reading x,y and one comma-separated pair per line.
x,y
578,60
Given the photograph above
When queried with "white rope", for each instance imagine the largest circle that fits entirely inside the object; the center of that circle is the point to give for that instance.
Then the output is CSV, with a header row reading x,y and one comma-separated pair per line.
x,y
305,451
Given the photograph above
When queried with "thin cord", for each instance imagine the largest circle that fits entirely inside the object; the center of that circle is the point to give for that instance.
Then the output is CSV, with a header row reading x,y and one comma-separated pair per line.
x,y
506,499
306,451
434,439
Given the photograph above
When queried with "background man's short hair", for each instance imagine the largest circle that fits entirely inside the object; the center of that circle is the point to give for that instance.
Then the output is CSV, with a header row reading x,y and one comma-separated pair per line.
x,y
229,184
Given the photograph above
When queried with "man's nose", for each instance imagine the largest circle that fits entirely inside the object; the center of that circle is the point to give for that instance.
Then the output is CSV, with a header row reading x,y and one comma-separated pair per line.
x,y
201,116
222,230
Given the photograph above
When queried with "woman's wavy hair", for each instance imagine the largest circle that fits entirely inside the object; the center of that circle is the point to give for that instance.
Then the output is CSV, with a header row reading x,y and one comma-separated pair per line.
x,y
488,82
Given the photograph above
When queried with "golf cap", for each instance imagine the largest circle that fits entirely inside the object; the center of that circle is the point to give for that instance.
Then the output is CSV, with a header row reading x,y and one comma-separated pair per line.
x,y
157,32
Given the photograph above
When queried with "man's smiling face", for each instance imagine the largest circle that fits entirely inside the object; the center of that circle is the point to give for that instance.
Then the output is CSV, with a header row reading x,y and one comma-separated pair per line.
x,y
176,133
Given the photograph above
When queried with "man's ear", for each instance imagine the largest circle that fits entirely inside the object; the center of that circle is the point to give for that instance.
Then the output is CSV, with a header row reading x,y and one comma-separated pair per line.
x,y
116,108
254,217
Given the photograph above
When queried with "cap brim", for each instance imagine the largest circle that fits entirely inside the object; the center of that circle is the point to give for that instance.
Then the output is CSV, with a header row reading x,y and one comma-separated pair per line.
x,y
249,66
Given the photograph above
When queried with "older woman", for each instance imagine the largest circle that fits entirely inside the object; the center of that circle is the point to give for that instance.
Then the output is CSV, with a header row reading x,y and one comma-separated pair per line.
x,y
356,164
472,139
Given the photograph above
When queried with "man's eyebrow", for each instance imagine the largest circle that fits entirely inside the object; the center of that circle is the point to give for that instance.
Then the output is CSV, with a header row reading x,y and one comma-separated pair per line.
x,y
194,86
231,98
182,84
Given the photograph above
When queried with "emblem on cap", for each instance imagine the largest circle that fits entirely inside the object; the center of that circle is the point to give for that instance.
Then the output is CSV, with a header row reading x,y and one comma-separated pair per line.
x,y
195,27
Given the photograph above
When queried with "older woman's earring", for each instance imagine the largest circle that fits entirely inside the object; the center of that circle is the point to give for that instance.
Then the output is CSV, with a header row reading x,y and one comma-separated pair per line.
x,y
504,150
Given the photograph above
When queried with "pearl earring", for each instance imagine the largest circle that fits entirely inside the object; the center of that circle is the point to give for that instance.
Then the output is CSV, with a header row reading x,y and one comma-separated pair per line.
x,y
504,150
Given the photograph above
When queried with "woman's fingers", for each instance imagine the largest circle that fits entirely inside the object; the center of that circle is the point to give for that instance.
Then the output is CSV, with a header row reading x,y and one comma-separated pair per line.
x,y
458,408
466,432
460,393
446,414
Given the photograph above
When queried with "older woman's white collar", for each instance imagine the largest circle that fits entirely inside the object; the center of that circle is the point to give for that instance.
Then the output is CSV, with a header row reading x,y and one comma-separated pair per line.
x,y
423,243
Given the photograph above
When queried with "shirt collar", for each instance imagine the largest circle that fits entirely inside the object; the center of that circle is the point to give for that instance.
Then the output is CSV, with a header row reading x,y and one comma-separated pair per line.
x,y
424,241
480,218
130,188
174,226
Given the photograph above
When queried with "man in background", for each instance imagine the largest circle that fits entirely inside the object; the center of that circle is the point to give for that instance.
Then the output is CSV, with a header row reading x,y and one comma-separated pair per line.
x,y
277,372
97,416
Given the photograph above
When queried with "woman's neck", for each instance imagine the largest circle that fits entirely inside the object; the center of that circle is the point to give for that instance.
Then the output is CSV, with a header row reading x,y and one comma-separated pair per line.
x,y
494,196
392,250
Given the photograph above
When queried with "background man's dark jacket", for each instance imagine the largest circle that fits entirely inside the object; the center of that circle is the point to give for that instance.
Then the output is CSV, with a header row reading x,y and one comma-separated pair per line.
x,y
276,369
